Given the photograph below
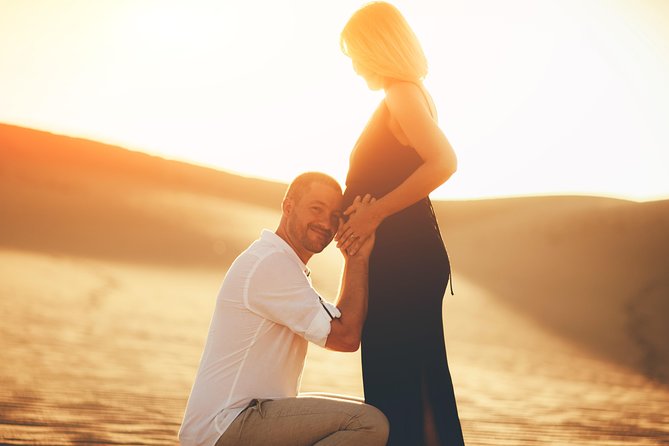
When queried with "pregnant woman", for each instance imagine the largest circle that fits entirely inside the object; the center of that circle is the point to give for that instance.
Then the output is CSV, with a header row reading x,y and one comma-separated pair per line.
x,y
401,156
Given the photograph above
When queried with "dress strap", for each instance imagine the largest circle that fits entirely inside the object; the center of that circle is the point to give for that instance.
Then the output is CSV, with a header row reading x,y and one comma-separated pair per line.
x,y
427,99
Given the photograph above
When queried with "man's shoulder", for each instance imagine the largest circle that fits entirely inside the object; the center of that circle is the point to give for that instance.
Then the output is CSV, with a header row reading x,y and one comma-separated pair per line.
x,y
255,268
261,250
263,256
261,271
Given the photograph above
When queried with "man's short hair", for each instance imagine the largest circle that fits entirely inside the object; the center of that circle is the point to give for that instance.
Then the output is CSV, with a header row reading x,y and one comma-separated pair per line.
x,y
301,184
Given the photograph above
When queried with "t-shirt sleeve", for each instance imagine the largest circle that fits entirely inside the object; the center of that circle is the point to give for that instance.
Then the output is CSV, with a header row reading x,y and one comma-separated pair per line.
x,y
279,290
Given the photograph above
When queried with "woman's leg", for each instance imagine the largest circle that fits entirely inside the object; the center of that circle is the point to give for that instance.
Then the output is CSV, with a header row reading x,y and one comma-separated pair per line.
x,y
438,385
391,368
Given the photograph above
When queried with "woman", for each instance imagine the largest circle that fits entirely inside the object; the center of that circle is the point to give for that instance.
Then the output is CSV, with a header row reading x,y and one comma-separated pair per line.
x,y
400,158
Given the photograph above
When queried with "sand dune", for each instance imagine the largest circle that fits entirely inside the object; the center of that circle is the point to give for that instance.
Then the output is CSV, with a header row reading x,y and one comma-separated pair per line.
x,y
72,196
593,269
110,259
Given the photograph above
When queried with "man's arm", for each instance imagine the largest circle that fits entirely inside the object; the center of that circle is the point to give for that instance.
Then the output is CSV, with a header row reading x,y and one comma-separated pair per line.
x,y
345,332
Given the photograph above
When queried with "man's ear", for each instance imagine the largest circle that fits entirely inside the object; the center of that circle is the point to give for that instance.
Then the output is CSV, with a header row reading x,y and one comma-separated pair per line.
x,y
287,205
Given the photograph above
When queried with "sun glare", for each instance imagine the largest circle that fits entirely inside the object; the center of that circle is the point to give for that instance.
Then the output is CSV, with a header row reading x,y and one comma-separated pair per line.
x,y
536,97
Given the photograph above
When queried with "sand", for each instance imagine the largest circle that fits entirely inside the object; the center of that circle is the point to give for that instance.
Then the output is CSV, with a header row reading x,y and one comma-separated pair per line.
x,y
110,261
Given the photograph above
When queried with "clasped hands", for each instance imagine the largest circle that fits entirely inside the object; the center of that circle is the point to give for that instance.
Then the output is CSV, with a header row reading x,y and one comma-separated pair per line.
x,y
361,224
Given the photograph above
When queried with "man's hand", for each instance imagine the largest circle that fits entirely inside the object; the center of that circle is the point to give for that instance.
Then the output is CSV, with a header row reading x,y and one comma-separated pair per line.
x,y
357,234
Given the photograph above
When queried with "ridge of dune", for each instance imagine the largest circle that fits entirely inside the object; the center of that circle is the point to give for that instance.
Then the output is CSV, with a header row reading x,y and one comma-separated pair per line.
x,y
30,153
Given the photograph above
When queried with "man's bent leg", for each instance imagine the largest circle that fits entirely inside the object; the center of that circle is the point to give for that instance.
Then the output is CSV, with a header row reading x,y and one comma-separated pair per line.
x,y
307,421
335,396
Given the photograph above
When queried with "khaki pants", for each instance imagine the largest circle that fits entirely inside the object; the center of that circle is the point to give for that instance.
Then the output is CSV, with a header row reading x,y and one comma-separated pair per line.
x,y
310,419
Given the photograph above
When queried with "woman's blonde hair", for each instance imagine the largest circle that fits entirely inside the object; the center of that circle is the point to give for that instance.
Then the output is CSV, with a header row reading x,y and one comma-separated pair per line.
x,y
379,39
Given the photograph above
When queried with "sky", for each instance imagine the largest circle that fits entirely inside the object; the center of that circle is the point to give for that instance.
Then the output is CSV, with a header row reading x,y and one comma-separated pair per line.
x,y
537,97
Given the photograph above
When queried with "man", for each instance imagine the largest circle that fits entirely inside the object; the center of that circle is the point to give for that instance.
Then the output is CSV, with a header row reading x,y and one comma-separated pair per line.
x,y
245,390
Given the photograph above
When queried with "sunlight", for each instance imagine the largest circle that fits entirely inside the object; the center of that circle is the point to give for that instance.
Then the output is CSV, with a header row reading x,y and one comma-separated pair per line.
x,y
565,96
536,97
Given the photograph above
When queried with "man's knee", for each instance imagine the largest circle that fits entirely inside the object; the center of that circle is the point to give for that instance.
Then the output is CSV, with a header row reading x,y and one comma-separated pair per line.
x,y
376,423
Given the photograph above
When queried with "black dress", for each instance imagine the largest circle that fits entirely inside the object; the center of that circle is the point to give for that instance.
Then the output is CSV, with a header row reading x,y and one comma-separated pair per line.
x,y
403,352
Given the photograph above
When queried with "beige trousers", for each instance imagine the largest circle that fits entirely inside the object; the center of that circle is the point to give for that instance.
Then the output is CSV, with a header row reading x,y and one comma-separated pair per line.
x,y
309,419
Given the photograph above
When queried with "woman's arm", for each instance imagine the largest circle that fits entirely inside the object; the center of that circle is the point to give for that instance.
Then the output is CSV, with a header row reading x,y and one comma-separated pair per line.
x,y
408,108
411,113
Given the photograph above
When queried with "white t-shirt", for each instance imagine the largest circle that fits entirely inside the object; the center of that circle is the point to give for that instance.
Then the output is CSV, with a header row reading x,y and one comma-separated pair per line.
x,y
266,311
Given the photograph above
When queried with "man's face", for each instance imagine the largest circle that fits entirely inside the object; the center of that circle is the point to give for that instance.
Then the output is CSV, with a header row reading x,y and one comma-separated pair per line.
x,y
313,220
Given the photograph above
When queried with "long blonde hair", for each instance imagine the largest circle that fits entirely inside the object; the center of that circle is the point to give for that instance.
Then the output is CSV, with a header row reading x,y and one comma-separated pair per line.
x,y
379,39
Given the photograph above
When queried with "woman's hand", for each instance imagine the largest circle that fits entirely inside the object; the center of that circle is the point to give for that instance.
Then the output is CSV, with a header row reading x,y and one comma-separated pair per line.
x,y
361,225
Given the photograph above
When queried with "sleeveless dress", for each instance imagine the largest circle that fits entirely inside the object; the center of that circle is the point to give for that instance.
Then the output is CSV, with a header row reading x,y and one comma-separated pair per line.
x,y
403,352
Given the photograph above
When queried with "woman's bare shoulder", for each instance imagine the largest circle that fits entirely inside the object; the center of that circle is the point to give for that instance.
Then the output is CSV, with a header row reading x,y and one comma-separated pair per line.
x,y
408,97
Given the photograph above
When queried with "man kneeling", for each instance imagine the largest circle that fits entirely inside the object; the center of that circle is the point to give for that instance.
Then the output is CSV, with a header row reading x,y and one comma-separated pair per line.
x,y
246,388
